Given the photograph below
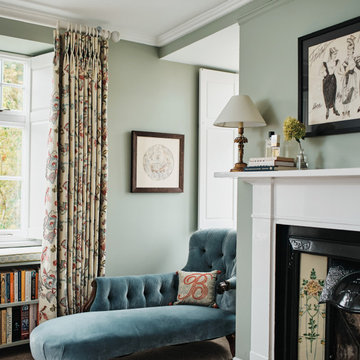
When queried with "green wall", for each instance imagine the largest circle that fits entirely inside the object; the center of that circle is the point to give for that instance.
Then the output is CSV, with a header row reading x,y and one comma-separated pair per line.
x,y
146,233
268,73
149,232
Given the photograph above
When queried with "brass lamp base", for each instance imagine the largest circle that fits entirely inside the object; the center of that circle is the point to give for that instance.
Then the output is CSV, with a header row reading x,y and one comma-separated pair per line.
x,y
241,140
238,167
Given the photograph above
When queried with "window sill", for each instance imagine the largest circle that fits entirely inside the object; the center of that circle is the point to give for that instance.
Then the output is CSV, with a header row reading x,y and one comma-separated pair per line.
x,y
20,251
17,242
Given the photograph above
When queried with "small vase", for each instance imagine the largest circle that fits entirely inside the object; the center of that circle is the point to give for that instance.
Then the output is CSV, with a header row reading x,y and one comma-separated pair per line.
x,y
301,160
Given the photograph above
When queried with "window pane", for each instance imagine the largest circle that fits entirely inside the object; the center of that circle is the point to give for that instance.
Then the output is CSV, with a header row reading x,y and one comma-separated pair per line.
x,y
12,98
10,195
13,72
10,151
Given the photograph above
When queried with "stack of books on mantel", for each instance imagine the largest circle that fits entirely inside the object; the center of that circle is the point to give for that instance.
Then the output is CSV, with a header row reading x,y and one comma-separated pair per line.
x,y
270,164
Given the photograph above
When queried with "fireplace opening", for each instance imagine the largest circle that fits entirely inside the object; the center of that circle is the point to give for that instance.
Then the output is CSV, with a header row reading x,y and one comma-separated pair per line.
x,y
317,294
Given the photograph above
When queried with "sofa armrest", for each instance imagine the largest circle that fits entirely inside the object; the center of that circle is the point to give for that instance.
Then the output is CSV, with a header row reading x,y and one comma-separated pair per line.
x,y
226,285
129,292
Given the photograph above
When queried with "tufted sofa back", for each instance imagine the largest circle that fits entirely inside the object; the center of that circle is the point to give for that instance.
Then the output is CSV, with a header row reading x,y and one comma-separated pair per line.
x,y
215,249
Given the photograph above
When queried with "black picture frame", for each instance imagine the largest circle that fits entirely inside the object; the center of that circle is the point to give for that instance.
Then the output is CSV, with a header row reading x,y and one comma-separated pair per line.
x,y
333,47
157,162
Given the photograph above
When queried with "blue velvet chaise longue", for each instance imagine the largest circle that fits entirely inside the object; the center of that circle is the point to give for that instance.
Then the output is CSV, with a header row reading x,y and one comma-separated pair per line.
x,y
128,314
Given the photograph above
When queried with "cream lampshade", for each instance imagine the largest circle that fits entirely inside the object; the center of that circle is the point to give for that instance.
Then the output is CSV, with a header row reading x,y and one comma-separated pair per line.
x,y
240,112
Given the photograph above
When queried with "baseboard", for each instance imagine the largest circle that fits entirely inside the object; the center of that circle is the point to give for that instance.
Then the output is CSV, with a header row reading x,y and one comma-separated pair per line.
x,y
256,356
253,356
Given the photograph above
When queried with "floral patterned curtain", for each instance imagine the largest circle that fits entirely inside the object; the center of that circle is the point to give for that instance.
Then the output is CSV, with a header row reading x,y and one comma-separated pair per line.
x,y
73,252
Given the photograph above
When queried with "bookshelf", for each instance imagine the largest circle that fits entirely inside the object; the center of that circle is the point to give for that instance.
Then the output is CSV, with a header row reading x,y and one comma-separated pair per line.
x,y
23,258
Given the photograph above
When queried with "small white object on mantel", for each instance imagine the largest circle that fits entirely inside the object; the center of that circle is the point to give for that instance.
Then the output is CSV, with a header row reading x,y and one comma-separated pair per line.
x,y
323,198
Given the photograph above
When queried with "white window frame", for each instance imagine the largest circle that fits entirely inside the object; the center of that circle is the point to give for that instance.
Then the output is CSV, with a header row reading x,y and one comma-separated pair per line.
x,y
19,119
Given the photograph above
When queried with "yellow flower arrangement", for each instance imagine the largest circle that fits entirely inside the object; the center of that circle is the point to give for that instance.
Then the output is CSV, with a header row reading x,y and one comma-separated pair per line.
x,y
293,129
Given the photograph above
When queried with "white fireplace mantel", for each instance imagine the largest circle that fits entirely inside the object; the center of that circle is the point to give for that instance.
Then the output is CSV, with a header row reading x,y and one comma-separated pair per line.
x,y
324,198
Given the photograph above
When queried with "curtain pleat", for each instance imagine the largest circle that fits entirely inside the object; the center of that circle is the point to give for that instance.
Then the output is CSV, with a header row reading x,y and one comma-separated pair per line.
x,y
76,198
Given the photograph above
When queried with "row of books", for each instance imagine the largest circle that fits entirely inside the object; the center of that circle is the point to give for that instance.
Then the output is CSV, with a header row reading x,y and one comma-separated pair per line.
x,y
270,164
18,285
17,322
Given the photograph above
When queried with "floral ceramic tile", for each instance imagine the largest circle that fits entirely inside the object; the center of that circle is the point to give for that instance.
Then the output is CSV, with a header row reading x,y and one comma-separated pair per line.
x,y
312,315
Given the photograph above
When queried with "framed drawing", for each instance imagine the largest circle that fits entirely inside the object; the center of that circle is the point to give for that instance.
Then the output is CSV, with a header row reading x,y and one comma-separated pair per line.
x,y
157,162
329,79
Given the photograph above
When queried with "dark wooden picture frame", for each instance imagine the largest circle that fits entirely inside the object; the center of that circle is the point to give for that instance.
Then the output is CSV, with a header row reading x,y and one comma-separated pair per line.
x,y
329,79
157,162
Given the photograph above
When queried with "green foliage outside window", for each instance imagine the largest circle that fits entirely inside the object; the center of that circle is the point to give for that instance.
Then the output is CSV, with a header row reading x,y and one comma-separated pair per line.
x,y
10,165
13,73
12,96
10,195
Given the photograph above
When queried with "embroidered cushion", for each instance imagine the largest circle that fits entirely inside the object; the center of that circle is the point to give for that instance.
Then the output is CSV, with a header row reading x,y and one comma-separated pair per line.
x,y
197,288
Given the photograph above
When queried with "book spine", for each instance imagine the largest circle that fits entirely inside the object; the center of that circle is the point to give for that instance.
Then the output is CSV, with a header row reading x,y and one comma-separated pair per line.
x,y
273,158
3,326
16,325
1,342
24,322
3,286
7,290
19,285
28,285
271,163
16,286
33,280
32,317
260,168
38,315
37,285
23,285
261,163
12,287
9,325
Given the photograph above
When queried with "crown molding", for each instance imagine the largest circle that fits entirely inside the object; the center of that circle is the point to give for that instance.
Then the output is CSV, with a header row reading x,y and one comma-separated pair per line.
x,y
48,20
145,39
30,16
200,20
41,15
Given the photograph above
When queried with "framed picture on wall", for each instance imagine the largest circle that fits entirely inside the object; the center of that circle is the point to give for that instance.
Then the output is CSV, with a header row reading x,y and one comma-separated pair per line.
x,y
329,79
157,162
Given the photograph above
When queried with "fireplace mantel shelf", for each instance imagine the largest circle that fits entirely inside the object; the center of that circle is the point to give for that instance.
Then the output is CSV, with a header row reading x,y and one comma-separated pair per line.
x,y
347,172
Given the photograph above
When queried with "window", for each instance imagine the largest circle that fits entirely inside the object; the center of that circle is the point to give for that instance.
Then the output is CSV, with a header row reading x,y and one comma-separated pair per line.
x,y
14,136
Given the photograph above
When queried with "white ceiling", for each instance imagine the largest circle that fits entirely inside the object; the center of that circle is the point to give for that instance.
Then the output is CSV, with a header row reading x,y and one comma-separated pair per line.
x,y
152,22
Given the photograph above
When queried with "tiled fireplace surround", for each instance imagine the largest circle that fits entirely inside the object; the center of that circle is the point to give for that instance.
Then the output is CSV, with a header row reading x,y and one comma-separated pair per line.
x,y
326,198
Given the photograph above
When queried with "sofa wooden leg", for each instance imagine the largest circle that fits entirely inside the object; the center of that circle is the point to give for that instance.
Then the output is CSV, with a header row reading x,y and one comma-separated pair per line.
x,y
231,340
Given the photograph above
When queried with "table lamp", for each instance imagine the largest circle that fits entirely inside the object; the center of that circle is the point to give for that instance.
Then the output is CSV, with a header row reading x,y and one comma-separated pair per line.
x,y
240,112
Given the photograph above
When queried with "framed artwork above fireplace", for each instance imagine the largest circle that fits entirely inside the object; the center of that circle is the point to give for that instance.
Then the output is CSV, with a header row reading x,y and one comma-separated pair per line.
x,y
329,79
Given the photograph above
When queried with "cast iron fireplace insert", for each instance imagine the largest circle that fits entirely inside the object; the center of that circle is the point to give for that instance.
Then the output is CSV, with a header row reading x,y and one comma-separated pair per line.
x,y
342,328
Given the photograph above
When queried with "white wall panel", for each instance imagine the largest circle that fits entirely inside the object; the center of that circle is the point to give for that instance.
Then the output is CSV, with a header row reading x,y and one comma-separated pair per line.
x,y
217,151
41,90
